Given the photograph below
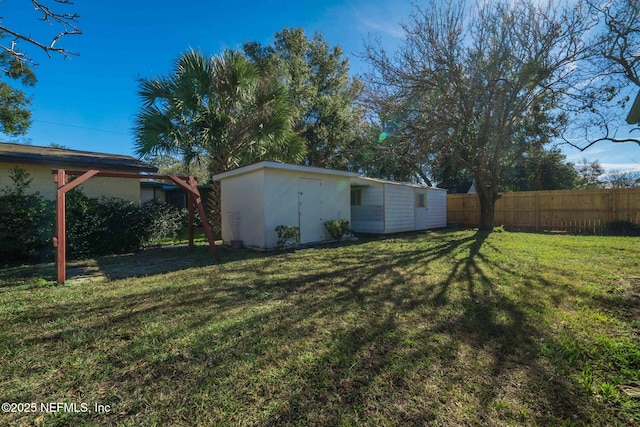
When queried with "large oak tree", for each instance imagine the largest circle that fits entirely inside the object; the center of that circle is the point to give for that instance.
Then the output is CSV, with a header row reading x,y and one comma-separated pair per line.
x,y
477,85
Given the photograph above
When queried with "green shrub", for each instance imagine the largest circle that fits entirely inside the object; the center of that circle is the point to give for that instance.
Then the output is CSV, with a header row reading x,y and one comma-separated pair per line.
x,y
288,235
338,228
114,226
622,228
95,227
162,220
26,221
103,226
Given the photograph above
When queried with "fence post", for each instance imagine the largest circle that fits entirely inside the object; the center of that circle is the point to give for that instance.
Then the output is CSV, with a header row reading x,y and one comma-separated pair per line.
x,y
537,212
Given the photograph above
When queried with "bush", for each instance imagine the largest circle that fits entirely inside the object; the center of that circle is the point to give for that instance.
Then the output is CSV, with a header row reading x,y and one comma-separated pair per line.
x,y
26,221
338,228
94,226
288,235
109,226
162,220
622,228
103,226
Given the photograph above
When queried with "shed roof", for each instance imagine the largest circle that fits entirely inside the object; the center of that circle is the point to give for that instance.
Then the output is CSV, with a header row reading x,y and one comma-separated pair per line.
x,y
281,166
64,158
362,180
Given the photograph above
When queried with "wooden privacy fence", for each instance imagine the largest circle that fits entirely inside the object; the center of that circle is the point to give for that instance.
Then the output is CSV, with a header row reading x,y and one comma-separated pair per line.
x,y
575,211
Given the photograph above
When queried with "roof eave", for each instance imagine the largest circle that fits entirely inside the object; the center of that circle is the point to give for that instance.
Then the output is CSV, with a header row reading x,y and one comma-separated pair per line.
x,y
281,166
77,164
634,115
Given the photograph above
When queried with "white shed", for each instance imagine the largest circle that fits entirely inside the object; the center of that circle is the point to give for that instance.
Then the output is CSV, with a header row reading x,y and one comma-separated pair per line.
x,y
255,199
382,207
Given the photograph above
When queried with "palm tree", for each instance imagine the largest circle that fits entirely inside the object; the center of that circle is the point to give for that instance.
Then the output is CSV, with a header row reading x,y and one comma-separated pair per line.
x,y
217,110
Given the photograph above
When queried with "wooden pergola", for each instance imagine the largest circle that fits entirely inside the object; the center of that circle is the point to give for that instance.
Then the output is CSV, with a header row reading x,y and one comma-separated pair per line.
x,y
61,178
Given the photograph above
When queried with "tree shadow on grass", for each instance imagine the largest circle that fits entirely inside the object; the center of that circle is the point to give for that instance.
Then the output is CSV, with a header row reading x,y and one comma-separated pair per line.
x,y
363,334
147,262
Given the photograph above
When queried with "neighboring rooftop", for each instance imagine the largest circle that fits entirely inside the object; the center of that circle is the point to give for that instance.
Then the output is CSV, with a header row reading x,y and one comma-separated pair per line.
x,y
634,114
363,181
63,158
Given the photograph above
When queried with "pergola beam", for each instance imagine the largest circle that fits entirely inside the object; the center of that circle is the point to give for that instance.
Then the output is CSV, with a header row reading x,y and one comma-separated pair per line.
x,y
188,184
122,175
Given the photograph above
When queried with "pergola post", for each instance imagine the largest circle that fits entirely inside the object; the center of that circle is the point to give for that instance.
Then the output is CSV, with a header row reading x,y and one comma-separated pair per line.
x,y
192,189
60,241
190,203
188,184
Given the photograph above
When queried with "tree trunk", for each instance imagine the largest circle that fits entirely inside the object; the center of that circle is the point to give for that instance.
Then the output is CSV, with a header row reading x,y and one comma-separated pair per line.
x,y
486,214
487,210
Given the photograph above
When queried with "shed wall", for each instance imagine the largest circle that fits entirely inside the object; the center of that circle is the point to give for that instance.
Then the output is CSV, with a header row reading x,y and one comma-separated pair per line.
x,y
244,195
437,208
398,208
281,202
369,216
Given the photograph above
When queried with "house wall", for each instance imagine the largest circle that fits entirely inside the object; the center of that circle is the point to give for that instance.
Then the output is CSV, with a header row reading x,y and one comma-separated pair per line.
x,y
281,201
151,193
437,208
398,208
243,200
369,216
42,182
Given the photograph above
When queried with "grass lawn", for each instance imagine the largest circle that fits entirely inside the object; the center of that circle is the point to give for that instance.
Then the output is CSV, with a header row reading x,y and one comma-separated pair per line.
x,y
448,328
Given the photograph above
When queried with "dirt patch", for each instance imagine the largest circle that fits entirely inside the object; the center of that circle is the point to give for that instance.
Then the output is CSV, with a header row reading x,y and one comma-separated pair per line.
x,y
144,263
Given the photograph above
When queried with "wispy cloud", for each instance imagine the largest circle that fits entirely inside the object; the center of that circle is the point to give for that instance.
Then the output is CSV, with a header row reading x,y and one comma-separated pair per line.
x,y
381,17
383,20
622,166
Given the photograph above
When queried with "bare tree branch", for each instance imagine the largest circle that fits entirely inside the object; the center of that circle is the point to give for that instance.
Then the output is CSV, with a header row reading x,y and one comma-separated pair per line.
x,y
602,139
66,21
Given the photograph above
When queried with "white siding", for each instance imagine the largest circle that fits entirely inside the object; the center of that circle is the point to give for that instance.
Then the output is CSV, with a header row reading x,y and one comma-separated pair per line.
x,y
369,216
437,208
281,201
244,194
42,182
398,208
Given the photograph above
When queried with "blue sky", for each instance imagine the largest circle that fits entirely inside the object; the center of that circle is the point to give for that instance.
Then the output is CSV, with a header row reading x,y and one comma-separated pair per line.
x,y
89,102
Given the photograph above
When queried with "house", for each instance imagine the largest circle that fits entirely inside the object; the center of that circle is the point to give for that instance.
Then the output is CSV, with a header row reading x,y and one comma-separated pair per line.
x,y
169,193
633,117
256,199
461,187
383,207
40,161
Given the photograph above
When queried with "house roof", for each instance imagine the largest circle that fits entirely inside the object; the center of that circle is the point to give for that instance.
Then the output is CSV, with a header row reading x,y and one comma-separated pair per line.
x,y
634,115
282,166
63,158
362,180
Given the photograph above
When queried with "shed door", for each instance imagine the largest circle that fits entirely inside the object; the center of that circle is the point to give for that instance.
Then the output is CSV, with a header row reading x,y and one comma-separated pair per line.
x,y
421,214
310,210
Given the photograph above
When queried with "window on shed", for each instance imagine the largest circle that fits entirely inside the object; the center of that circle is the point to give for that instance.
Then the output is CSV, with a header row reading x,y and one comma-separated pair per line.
x,y
421,200
356,197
